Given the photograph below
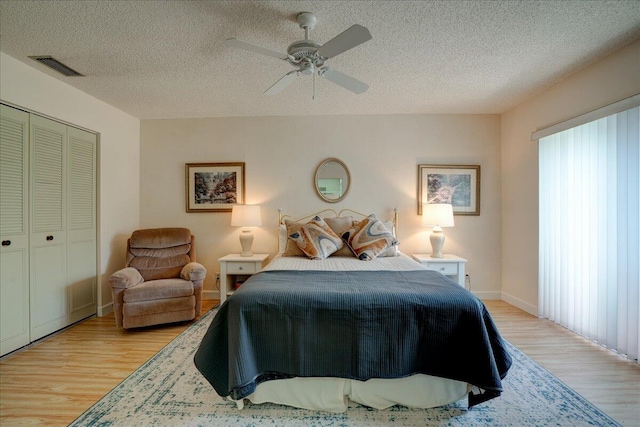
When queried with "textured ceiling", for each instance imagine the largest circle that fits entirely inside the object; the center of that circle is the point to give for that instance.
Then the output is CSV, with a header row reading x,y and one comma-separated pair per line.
x,y
167,59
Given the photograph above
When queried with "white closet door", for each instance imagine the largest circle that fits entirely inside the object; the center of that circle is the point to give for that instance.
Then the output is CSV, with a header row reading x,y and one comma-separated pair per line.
x,y
14,231
48,296
81,220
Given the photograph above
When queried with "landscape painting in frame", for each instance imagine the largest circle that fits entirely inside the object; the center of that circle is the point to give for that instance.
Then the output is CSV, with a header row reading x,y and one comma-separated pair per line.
x,y
214,187
458,185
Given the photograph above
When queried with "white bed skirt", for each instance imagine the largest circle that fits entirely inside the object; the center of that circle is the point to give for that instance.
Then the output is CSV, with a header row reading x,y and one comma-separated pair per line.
x,y
334,394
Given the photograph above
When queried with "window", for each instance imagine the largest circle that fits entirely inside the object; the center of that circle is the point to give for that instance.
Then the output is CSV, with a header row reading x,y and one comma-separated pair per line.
x,y
590,230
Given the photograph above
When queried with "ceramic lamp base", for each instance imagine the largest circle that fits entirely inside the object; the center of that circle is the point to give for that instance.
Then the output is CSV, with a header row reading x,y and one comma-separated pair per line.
x,y
437,242
246,240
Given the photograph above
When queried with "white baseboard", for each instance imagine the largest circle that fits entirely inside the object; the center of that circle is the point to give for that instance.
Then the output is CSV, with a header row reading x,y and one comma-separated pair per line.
x,y
105,309
487,294
211,294
521,304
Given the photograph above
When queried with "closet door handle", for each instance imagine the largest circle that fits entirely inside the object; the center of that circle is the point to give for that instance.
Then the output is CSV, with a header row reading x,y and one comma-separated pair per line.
x,y
49,238
6,242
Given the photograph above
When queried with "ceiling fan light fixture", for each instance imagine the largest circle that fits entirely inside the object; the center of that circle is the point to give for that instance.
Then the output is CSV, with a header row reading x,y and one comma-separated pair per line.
x,y
307,69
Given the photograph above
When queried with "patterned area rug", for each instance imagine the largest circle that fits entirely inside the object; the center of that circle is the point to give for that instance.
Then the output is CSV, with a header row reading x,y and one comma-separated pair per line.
x,y
169,391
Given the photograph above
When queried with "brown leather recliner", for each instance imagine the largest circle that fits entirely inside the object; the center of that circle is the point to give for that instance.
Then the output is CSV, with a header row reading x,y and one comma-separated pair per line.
x,y
161,283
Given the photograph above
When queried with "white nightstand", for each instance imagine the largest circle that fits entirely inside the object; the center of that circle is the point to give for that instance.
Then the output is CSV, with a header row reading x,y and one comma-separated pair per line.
x,y
234,267
450,265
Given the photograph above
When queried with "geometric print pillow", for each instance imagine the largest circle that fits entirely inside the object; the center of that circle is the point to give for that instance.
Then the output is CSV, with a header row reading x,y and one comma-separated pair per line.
x,y
316,239
369,238
339,226
290,247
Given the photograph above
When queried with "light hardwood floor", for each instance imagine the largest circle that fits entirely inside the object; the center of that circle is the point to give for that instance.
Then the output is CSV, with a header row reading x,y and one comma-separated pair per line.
x,y
57,379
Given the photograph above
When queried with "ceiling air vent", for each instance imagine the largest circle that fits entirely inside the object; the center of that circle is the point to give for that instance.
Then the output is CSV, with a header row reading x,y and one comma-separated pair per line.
x,y
57,65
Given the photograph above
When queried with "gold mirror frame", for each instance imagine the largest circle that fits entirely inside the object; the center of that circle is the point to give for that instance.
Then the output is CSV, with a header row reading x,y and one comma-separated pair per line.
x,y
345,189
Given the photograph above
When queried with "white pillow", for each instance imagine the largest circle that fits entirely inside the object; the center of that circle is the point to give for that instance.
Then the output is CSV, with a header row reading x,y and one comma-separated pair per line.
x,y
282,238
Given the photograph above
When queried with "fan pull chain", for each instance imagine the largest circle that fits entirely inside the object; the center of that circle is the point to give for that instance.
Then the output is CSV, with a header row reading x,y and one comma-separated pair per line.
x,y
313,97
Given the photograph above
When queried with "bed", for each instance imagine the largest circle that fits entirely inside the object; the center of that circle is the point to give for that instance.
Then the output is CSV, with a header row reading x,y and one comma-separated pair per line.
x,y
321,333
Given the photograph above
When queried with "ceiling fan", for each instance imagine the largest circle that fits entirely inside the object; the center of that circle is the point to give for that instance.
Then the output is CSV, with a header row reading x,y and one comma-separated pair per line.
x,y
309,57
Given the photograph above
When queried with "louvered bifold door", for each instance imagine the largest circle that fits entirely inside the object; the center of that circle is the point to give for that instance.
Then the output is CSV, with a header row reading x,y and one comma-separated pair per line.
x,y
14,232
49,300
81,223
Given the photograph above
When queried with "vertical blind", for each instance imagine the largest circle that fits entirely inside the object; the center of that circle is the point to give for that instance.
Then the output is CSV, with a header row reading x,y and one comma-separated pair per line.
x,y
589,244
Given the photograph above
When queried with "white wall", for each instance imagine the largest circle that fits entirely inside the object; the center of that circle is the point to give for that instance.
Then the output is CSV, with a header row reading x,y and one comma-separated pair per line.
x,y
611,79
119,155
142,168
281,154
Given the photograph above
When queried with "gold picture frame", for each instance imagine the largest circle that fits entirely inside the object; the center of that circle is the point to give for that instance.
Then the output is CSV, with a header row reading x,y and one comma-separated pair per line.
x,y
458,185
214,187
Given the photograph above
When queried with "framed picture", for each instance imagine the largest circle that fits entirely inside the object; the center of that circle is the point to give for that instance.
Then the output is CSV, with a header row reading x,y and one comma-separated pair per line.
x,y
214,187
458,185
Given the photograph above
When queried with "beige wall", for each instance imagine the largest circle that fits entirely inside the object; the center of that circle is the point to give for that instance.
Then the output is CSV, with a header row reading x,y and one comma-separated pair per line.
x,y
142,169
614,78
281,154
119,195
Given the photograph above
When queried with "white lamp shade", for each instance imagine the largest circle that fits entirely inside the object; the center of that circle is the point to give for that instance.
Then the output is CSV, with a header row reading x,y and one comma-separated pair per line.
x,y
246,216
437,215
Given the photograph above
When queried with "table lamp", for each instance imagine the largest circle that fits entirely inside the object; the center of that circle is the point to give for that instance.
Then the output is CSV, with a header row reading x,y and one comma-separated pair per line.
x,y
437,215
246,216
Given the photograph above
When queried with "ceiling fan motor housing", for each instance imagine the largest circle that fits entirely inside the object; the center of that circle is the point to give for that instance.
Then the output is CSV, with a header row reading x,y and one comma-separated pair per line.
x,y
304,49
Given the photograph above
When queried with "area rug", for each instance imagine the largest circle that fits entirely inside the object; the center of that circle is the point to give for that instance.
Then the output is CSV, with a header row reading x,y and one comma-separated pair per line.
x,y
169,391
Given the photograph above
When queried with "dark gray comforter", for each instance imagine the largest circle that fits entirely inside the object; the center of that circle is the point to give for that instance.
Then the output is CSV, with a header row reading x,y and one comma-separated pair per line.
x,y
352,324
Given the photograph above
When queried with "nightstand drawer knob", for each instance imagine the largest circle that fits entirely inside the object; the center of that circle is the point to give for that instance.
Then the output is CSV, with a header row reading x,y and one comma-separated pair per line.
x,y
240,268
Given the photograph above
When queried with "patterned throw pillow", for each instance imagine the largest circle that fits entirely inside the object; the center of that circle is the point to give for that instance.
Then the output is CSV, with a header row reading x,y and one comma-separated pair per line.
x,y
291,249
369,238
339,226
316,239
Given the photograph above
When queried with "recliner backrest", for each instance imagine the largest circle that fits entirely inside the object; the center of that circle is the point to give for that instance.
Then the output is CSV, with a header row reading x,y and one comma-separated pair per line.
x,y
160,253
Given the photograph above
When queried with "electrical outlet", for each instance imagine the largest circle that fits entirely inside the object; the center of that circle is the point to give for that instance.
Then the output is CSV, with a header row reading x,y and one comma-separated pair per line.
x,y
217,275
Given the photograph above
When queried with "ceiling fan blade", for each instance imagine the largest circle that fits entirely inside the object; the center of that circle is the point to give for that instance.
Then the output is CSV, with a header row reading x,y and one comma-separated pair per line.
x,y
255,48
350,38
341,79
282,83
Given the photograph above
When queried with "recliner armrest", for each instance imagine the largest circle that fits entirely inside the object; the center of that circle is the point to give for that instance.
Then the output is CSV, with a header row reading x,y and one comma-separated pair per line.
x,y
193,271
125,278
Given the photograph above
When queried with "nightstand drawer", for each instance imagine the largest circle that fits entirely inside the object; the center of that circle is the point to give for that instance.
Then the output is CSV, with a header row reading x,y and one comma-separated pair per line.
x,y
241,267
449,265
445,268
234,265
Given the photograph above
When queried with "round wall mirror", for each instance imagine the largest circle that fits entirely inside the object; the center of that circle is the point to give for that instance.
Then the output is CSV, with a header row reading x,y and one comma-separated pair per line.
x,y
332,180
